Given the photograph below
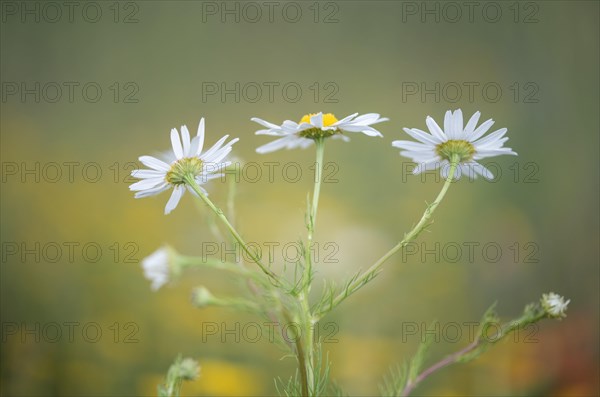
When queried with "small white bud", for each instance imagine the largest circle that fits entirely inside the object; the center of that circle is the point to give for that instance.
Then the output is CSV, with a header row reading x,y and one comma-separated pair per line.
x,y
188,369
202,297
554,305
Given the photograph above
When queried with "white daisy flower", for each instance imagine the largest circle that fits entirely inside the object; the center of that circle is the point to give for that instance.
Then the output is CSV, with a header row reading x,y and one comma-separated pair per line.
x,y
435,149
554,305
186,159
157,267
314,126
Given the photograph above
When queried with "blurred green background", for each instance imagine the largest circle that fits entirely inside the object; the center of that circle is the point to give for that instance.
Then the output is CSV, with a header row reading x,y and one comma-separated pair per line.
x,y
155,60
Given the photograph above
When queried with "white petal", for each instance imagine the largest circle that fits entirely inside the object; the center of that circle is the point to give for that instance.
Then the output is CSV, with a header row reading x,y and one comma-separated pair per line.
x,y
299,142
490,138
290,126
317,120
185,140
146,184
154,163
345,119
427,166
275,145
422,136
215,167
219,154
481,170
214,148
302,143
470,127
482,129
410,145
369,131
448,125
435,129
209,177
144,174
199,138
481,154
457,124
176,143
167,156
362,124
467,169
194,152
158,280
279,132
496,144
154,191
342,137
264,123
420,157
174,199
369,118
156,268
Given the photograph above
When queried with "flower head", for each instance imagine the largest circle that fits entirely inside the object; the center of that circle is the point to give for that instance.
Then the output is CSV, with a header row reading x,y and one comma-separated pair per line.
x,y
456,141
183,369
315,126
202,297
554,305
186,160
188,369
159,267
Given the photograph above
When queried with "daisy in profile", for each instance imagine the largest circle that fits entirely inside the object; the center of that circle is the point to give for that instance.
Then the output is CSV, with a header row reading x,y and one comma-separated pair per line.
x,y
186,160
315,126
454,143
158,267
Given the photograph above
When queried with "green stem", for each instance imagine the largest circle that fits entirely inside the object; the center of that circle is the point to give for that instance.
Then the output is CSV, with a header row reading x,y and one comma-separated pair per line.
x,y
318,177
303,367
451,359
192,183
307,334
368,275
300,355
231,197
459,355
307,316
312,216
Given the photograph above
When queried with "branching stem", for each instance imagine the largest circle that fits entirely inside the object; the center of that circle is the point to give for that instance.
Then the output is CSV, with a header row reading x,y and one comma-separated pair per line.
x,y
370,273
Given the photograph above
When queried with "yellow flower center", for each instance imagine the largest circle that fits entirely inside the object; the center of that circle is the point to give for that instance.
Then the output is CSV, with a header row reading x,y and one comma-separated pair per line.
x,y
464,150
316,133
328,119
188,166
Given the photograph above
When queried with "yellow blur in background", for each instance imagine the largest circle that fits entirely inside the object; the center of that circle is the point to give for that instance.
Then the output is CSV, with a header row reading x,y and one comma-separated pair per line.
x,y
87,90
